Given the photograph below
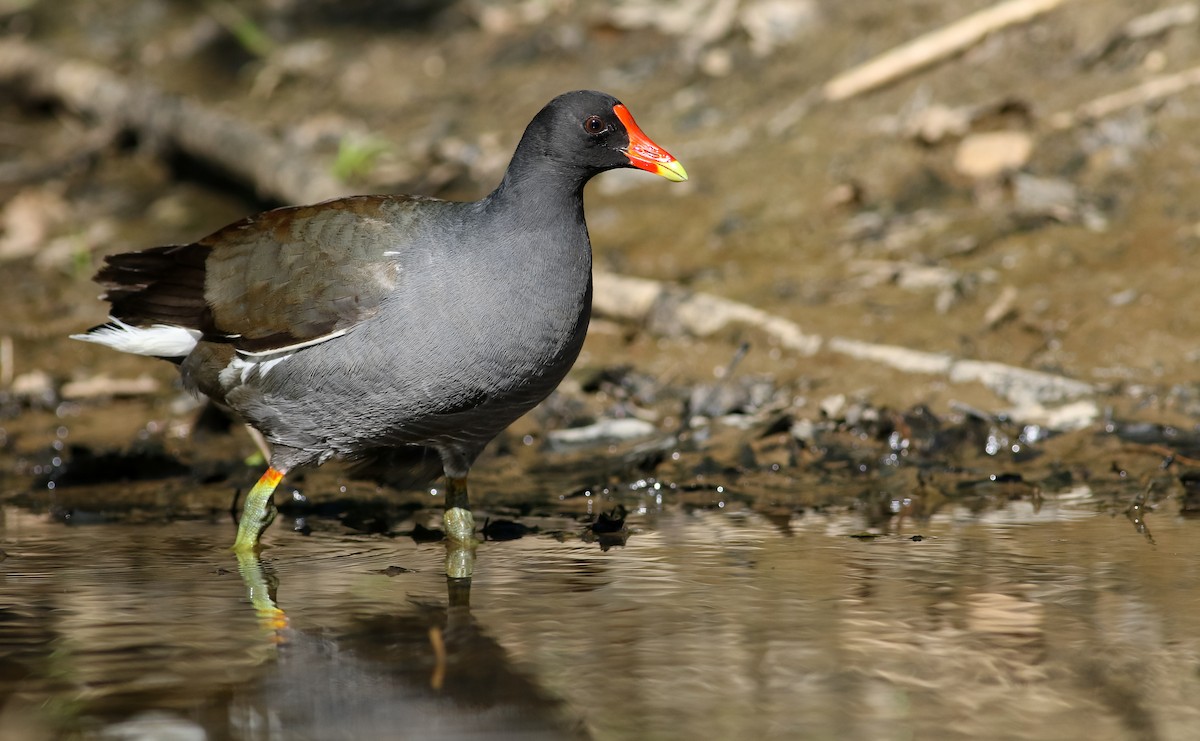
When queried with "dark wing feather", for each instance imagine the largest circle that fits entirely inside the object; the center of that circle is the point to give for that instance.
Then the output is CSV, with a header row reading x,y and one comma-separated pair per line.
x,y
283,277
161,285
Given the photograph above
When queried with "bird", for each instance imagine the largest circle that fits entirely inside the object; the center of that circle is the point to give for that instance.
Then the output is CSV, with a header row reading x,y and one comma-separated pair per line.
x,y
377,325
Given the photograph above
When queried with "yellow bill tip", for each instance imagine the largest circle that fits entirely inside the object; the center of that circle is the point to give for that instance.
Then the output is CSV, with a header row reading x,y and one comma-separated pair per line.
x,y
672,171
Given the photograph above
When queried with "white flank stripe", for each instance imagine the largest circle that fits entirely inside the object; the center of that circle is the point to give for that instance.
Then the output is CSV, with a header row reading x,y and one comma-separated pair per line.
x,y
291,348
157,340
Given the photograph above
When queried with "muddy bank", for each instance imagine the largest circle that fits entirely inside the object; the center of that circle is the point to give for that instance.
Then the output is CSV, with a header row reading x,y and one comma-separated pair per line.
x,y
966,274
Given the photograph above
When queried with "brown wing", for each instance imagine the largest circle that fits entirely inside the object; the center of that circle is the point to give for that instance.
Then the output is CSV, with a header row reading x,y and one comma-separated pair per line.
x,y
281,278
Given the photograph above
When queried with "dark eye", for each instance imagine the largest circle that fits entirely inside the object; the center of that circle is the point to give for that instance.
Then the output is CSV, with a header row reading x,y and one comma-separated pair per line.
x,y
594,125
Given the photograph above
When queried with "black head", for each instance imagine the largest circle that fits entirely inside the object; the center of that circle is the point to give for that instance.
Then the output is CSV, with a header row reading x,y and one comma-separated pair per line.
x,y
586,132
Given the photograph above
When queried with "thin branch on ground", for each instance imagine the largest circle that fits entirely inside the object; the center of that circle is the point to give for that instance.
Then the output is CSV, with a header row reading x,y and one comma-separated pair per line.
x,y
1151,91
934,47
246,151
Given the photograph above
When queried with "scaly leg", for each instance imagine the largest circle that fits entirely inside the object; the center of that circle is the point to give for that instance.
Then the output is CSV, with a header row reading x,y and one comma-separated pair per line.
x,y
458,521
257,512
459,525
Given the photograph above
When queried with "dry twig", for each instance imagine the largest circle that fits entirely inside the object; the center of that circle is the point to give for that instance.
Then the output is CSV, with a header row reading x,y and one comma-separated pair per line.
x,y
704,315
1151,91
933,47
240,148
1145,26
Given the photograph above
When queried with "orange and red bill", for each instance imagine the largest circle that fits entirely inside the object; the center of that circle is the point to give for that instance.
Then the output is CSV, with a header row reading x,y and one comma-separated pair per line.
x,y
645,154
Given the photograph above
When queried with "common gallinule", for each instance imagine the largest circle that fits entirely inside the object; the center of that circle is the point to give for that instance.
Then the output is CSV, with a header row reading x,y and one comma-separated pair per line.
x,y
364,324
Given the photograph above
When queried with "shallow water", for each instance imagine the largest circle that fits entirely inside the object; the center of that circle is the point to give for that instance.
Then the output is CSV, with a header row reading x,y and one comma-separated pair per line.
x,y
1049,622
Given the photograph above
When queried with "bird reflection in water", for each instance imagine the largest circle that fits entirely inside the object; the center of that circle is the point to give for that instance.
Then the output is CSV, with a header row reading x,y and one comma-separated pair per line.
x,y
422,670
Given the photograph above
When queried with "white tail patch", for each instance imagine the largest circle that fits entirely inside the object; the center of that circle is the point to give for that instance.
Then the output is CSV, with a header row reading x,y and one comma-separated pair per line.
x,y
157,340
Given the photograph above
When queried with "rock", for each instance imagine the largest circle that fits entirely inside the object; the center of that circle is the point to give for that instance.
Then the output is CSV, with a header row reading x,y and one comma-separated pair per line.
x,y
774,23
716,62
738,396
1036,197
1114,143
1076,415
986,155
35,385
1002,309
66,250
937,122
704,20
908,275
804,430
156,725
1020,385
604,432
850,194
103,387
29,219
1124,298
832,406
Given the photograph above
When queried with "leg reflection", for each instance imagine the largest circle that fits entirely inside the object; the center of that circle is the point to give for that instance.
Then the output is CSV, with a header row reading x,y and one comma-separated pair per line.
x,y
460,560
261,588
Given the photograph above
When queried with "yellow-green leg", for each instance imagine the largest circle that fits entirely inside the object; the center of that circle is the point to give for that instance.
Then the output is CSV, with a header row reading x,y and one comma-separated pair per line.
x,y
459,526
457,521
257,512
